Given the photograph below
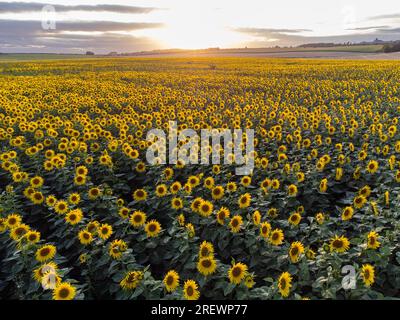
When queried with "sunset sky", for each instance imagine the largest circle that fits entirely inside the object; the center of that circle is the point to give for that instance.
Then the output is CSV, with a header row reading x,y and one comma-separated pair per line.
x,y
127,26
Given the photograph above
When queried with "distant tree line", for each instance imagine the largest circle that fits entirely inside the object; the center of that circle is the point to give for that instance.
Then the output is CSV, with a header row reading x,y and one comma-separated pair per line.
x,y
392,47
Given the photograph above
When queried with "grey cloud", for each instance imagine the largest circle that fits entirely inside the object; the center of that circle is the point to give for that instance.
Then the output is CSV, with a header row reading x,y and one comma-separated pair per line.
x,y
19,7
26,27
392,30
285,39
368,28
264,31
28,36
385,16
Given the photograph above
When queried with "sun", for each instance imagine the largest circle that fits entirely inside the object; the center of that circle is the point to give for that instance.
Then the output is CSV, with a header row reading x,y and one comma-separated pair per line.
x,y
195,27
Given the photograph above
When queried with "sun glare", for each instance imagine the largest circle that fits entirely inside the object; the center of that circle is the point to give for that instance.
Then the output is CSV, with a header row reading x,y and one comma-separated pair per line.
x,y
195,27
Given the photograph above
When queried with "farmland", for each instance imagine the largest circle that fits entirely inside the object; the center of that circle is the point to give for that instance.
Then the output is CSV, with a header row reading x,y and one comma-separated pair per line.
x,y
83,215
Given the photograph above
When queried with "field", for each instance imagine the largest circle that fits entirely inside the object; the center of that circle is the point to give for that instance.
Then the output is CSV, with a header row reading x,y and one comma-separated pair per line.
x,y
83,215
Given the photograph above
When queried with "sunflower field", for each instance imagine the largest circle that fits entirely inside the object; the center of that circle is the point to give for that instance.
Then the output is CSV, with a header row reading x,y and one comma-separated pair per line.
x,y
84,216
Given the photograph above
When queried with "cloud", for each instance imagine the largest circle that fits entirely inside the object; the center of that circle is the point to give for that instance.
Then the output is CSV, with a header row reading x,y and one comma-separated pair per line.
x,y
385,16
368,28
292,37
392,30
268,31
24,36
27,27
20,7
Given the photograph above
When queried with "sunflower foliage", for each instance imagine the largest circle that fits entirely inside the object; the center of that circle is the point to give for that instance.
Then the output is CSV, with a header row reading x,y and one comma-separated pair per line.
x,y
83,216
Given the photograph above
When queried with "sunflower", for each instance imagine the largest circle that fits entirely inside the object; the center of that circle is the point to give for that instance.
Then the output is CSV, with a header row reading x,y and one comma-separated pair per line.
x,y
249,281
168,173
117,248
300,176
256,217
265,184
387,198
81,170
19,231
190,290
217,192
206,250
209,182
140,167
123,212
368,274
207,265
137,219
94,193
152,228
74,198
36,182
64,291
205,208
181,220
245,181
294,218
320,217
51,201
175,187
339,244
295,250
161,190
222,214
372,240
105,231
45,253
92,227
176,203
131,280
276,237
61,207
272,212
171,281
359,201
398,176
190,230
275,184
39,272
194,181
292,190
236,223
50,280
284,284
196,204
37,197
310,254
231,186
85,237
372,166
365,191
237,272
347,213
140,195
244,200
3,226
79,180
74,216
323,185
265,229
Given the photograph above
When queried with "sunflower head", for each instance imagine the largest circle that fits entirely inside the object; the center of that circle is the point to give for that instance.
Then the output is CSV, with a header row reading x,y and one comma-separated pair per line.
x,y
190,290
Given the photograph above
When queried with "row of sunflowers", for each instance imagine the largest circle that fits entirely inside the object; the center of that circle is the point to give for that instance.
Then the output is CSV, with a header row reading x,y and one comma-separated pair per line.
x,y
84,216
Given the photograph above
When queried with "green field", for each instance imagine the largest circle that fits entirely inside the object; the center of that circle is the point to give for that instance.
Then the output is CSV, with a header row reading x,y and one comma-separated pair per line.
x,y
53,56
